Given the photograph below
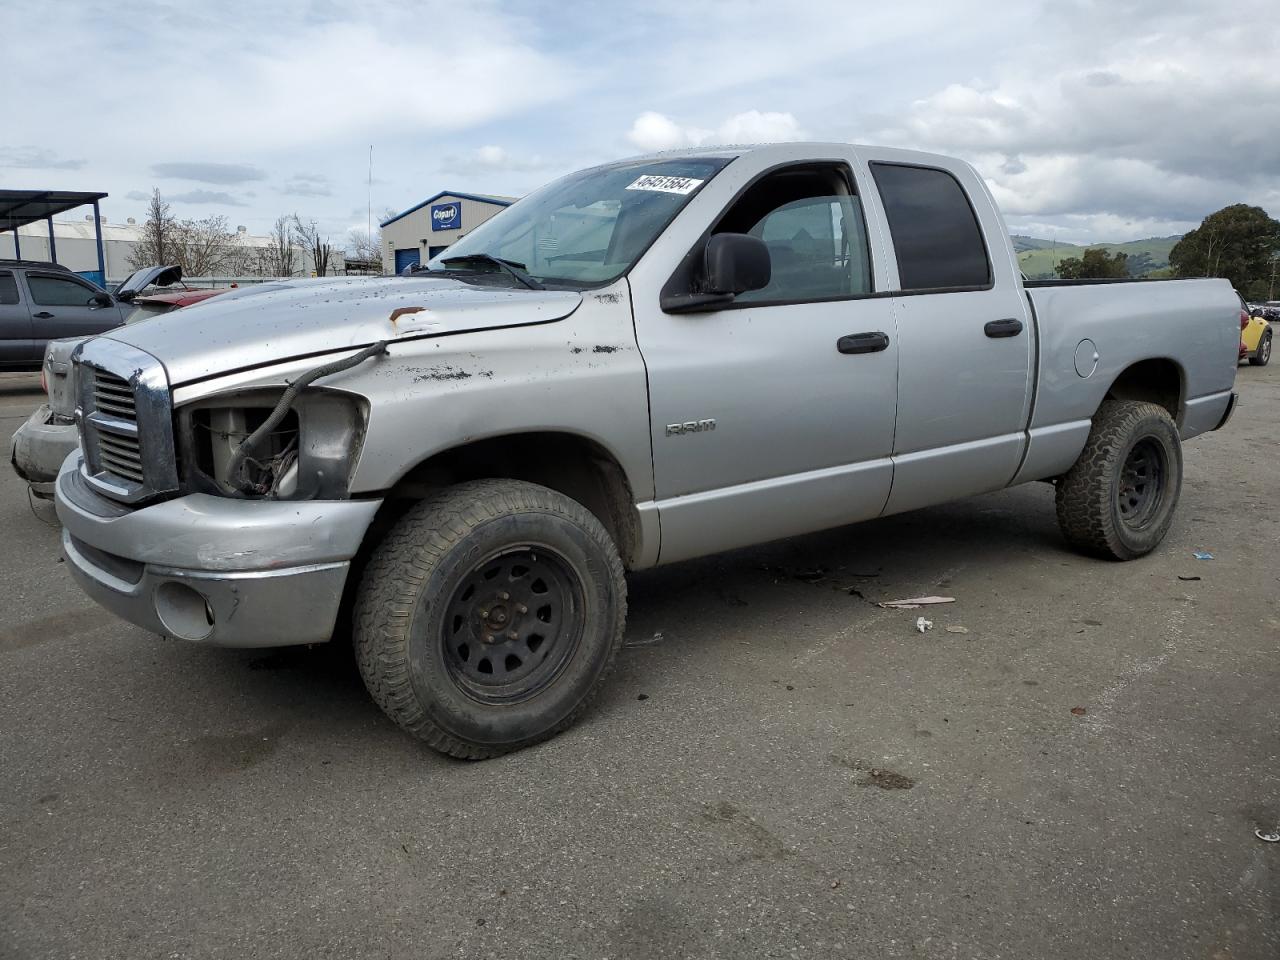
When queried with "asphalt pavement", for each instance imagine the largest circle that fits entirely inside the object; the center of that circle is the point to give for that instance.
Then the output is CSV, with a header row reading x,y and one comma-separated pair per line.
x,y
778,768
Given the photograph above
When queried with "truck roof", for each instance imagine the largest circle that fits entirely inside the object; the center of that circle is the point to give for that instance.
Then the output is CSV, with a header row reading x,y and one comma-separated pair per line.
x,y
791,150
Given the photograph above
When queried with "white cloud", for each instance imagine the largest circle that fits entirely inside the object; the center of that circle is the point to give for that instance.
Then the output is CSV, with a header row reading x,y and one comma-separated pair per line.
x,y
653,131
1145,132
36,158
1083,114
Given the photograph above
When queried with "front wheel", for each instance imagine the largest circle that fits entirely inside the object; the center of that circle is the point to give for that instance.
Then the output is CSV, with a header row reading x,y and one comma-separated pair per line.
x,y
1262,356
1117,500
489,615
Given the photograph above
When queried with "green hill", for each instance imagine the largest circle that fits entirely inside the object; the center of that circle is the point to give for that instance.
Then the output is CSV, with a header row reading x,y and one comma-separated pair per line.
x,y
1022,244
1038,257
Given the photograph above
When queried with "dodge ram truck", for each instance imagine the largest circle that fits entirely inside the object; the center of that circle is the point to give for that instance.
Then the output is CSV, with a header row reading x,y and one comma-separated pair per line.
x,y
637,364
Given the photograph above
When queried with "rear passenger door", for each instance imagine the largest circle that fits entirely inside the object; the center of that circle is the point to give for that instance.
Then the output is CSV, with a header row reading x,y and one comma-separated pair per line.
x,y
17,348
63,305
964,367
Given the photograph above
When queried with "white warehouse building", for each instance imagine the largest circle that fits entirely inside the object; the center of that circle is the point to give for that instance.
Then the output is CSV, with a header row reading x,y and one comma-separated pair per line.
x,y
430,227
76,246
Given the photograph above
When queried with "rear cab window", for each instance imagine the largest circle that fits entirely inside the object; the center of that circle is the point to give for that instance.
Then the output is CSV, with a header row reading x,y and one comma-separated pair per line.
x,y
8,288
936,235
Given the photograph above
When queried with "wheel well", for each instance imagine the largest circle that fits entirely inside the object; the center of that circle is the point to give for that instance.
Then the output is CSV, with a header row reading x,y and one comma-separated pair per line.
x,y
1155,381
573,465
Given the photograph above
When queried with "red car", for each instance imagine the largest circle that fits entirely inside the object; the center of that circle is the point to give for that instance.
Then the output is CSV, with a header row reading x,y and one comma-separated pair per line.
x,y
154,304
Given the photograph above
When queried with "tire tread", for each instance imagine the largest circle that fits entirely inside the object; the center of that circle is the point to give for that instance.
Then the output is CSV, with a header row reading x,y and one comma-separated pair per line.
x,y
1084,492
405,559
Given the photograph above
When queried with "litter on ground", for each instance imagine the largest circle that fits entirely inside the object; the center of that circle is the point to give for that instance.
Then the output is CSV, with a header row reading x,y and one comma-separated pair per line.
x,y
922,624
1203,555
915,603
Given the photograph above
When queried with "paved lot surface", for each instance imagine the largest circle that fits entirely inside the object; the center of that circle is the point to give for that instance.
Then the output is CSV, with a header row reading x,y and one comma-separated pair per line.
x,y
788,771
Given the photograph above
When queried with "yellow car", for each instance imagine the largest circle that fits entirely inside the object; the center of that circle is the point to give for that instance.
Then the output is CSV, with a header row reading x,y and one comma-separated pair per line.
x,y
1255,335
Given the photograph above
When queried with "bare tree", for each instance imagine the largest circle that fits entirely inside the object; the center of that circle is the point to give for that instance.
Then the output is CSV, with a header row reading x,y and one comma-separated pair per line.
x,y
366,250
205,247
316,244
200,247
157,245
281,254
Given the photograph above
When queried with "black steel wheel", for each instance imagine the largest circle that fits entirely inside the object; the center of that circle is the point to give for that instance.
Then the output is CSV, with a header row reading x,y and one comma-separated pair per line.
x,y
513,623
1141,486
489,616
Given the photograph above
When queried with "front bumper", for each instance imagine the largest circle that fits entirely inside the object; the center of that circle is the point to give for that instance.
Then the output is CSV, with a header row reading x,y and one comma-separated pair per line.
x,y
39,447
232,573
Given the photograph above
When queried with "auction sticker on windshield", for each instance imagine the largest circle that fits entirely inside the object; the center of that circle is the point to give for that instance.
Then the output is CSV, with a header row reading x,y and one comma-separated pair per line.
x,y
660,184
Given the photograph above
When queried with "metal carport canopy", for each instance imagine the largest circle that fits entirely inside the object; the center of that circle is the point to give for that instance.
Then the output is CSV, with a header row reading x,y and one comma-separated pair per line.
x,y
20,207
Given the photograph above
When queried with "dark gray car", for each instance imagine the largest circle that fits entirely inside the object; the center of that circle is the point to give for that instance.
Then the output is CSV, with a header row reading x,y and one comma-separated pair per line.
x,y
40,302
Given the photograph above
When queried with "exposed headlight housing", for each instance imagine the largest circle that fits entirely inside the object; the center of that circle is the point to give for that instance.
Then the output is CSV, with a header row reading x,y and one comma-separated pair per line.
x,y
308,455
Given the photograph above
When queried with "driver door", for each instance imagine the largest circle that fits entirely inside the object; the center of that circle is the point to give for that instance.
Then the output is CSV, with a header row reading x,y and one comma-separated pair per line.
x,y
763,424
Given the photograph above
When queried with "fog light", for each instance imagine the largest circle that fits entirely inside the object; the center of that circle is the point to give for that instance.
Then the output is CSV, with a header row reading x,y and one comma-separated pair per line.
x,y
184,612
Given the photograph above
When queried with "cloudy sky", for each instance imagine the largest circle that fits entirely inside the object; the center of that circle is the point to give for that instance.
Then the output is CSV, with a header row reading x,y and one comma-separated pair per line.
x,y
1091,119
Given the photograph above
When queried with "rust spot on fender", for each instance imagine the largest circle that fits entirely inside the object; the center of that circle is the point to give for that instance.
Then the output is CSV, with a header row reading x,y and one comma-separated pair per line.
x,y
399,312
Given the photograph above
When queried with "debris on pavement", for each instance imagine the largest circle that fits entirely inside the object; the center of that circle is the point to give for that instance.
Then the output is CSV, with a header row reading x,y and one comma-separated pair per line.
x,y
922,624
957,629
1181,577
645,641
1078,711
1272,837
915,602
1203,555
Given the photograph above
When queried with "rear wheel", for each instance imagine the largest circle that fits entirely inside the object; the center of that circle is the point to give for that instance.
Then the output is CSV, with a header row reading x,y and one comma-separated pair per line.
x,y
489,615
1262,356
1118,498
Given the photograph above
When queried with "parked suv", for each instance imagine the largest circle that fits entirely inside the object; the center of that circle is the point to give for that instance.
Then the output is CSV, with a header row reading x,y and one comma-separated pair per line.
x,y
42,301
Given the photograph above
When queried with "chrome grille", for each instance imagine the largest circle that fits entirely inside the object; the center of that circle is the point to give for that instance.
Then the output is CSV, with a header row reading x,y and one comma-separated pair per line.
x,y
113,395
126,423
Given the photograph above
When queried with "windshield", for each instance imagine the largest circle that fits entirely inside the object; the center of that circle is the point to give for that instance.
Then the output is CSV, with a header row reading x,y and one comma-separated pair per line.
x,y
586,229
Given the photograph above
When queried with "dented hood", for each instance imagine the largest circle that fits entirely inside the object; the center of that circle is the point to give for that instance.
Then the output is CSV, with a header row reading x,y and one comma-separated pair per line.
x,y
270,322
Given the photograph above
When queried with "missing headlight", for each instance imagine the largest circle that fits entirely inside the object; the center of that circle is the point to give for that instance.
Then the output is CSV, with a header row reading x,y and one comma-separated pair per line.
x,y
309,453
270,471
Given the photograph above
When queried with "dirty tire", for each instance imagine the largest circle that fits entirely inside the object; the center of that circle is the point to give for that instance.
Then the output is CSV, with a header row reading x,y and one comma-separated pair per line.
x,y
1262,356
421,641
1090,494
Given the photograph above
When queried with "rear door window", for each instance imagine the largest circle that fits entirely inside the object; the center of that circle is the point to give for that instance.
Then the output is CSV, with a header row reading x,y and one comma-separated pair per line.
x,y
935,232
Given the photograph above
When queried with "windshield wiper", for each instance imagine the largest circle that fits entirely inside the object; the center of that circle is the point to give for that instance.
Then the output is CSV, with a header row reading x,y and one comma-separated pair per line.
x,y
513,267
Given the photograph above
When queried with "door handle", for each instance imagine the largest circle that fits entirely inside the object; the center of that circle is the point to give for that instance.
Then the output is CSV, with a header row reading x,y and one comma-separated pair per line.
x,y
863,343
43,315
1003,328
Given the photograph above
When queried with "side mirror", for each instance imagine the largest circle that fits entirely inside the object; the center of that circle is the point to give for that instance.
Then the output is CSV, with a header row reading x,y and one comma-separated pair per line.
x,y
101,300
734,263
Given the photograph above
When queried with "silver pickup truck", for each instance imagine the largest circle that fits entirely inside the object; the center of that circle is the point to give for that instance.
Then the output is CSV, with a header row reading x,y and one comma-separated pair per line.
x,y
639,363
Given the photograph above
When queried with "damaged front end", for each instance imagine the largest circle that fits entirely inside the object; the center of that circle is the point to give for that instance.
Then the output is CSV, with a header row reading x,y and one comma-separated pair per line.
x,y
307,453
